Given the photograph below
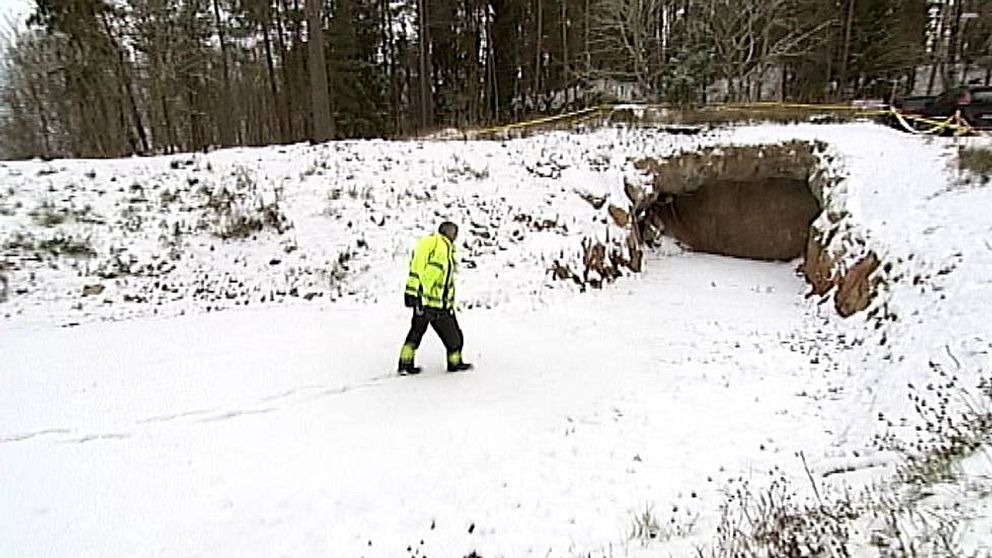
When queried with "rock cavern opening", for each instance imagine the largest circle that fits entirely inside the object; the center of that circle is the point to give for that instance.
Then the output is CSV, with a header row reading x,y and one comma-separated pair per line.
x,y
755,202
760,219
748,202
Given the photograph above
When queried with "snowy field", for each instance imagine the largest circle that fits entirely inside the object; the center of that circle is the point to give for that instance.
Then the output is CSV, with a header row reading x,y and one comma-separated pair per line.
x,y
178,381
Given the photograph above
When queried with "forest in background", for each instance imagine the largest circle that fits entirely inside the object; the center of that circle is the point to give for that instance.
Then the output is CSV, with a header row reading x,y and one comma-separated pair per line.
x,y
110,78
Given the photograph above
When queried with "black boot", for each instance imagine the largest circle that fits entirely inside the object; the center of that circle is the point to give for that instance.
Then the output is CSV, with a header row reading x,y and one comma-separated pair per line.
x,y
408,369
459,366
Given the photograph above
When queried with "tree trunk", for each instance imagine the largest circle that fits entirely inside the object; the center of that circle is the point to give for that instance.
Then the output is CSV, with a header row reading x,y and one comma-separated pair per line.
x,y
271,69
585,39
426,94
492,81
196,141
323,126
472,72
565,78
954,41
43,118
170,138
538,35
226,127
829,74
846,52
287,105
939,47
389,45
126,84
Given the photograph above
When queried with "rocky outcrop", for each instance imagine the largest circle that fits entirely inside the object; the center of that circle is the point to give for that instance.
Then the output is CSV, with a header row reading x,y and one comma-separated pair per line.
x,y
752,202
757,202
818,268
851,278
856,288
619,215
688,172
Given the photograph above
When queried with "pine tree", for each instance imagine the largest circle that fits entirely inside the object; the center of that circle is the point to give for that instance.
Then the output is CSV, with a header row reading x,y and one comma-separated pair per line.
x,y
359,80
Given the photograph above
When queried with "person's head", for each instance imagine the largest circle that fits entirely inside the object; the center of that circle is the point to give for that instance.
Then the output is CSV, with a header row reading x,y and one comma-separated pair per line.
x,y
449,230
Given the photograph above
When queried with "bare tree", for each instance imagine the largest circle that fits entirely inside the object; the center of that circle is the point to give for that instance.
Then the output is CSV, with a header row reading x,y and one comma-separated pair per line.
x,y
34,94
750,37
625,38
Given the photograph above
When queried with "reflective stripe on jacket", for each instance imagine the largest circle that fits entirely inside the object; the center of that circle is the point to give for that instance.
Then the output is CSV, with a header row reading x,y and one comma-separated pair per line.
x,y
432,272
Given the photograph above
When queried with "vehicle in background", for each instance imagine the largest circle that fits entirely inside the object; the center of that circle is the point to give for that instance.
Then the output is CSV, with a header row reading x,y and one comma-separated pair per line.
x,y
972,103
913,105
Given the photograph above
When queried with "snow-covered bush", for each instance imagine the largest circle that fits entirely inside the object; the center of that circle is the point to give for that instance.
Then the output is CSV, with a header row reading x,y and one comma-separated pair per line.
x,y
953,422
57,245
900,517
647,525
241,207
977,161
8,205
48,214
459,168
774,520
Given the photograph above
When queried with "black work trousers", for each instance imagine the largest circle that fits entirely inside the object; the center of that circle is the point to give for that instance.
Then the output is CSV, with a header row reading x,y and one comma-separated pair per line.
x,y
444,323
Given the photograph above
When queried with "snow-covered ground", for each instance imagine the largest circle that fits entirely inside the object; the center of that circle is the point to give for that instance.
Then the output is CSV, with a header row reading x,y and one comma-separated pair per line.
x,y
137,420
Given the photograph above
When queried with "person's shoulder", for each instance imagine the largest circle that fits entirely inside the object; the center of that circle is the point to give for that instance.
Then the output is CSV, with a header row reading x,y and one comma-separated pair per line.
x,y
428,241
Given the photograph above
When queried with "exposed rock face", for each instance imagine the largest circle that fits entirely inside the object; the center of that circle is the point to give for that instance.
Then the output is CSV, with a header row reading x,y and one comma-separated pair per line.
x,y
689,172
855,289
620,217
818,268
757,202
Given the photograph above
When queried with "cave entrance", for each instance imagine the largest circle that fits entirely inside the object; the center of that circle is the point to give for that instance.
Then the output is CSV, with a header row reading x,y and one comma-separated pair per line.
x,y
747,202
761,219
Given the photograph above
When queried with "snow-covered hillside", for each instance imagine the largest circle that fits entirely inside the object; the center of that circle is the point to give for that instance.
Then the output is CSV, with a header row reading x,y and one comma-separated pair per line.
x,y
175,233
196,352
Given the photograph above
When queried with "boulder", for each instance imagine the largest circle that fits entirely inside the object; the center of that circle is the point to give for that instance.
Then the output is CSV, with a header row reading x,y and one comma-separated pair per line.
x,y
855,289
818,268
620,217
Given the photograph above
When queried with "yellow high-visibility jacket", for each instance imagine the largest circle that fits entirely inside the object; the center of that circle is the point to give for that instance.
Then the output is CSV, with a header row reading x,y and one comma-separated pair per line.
x,y
432,272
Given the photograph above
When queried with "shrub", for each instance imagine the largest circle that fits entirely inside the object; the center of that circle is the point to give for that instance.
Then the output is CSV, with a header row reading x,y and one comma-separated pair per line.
x,y
976,160
47,215
60,245
242,208
775,521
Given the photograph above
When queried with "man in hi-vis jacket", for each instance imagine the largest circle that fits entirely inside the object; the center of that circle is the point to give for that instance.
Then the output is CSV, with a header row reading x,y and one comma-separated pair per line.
x,y
430,291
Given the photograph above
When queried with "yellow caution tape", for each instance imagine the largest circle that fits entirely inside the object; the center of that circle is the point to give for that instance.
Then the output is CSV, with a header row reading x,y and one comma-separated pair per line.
x,y
955,123
805,106
583,114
